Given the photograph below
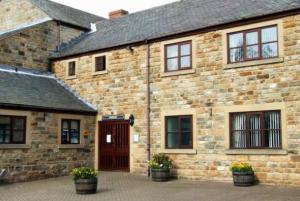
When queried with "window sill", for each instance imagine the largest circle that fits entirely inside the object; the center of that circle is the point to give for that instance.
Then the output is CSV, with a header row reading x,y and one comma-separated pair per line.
x,y
71,146
179,72
15,146
254,63
71,77
100,72
256,152
179,151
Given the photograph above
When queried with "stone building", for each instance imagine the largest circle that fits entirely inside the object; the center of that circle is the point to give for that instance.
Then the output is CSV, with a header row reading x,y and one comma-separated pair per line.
x,y
32,30
37,110
206,82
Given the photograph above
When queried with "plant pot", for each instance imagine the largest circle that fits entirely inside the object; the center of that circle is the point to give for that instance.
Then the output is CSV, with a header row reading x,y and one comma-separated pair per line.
x,y
160,175
86,186
243,178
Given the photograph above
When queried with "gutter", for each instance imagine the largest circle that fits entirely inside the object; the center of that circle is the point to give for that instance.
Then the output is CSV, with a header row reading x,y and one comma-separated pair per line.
x,y
148,101
46,109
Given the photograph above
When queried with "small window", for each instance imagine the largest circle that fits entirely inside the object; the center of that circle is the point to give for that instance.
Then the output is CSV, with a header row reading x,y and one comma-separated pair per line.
x,y
70,132
179,132
12,130
254,44
250,130
72,68
100,63
178,56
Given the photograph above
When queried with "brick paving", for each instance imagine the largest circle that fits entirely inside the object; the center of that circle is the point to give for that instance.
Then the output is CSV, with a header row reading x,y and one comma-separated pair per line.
x,y
128,187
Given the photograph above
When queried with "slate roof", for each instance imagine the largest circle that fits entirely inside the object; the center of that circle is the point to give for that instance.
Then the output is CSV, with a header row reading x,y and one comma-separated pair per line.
x,y
175,18
67,14
35,89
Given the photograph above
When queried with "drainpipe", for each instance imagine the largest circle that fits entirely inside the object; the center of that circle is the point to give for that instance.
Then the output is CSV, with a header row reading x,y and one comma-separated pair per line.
x,y
148,101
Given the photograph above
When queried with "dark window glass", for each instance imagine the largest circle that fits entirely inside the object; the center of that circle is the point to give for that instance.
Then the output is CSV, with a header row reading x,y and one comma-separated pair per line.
x,y
179,132
100,63
178,56
254,44
256,130
70,132
72,68
12,130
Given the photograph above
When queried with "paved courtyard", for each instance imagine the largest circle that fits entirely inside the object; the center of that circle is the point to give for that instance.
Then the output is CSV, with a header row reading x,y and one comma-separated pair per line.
x,y
127,187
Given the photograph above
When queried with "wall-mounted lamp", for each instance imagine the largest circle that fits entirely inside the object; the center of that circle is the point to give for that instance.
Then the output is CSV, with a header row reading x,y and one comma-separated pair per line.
x,y
130,48
131,120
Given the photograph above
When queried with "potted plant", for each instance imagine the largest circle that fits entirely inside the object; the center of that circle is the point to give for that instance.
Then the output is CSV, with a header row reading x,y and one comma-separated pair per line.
x,y
85,180
243,174
160,167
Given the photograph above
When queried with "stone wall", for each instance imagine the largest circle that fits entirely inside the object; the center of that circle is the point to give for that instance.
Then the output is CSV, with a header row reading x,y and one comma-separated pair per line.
x,y
30,48
33,47
43,157
14,13
208,90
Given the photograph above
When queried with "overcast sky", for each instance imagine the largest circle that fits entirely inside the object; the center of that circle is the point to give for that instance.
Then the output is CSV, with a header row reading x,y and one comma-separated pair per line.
x,y
103,7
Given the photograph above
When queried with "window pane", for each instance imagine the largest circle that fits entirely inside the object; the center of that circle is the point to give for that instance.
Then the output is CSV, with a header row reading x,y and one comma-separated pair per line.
x,y
269,34
252,52
100,63
172,64
74,125
65,125
74,136
172,51
236,55
252,38
185,62
4,129
19,123
18,136
269,50
239,127
185,49
173,140
186,124
272,123
172,124
186,139
236,40
72,67
255,133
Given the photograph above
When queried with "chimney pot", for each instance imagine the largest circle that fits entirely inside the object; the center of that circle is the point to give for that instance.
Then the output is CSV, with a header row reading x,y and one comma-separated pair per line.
x,y
117,13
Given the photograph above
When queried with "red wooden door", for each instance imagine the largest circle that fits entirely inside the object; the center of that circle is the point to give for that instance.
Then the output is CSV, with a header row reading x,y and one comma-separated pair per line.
x,y
114,145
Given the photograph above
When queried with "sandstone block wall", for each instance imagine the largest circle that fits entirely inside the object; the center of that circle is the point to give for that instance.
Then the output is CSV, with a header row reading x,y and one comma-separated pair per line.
x,y
33,47
18,12
209,91
44,158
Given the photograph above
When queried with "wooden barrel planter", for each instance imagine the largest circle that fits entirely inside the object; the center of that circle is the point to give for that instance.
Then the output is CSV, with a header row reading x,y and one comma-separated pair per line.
x,y
243,178
160,175
86,186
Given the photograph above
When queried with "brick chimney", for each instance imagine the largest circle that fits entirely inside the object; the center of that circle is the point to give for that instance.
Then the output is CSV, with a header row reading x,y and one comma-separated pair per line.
x,y
117,13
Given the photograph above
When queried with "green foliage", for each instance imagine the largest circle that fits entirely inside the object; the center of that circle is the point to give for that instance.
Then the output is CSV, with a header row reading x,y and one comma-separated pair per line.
x,y
84,173
160,161
241,167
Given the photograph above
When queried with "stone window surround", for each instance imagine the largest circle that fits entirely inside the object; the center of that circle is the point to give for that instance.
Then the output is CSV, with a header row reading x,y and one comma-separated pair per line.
x,y
178,112
82,133
193,57
94,72
67,68
280,59
251,108
26,114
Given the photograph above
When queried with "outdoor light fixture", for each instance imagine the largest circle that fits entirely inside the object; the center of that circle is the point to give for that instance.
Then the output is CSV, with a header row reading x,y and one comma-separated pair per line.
x,y
131,120
130,48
